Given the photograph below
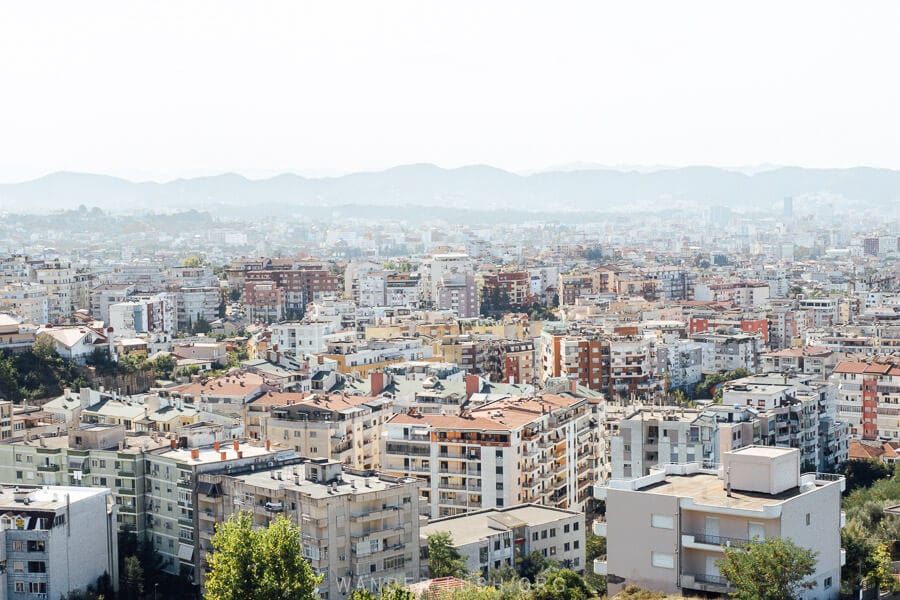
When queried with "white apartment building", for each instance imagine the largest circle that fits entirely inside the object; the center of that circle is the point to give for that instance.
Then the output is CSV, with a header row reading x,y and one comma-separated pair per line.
x,y
28,301
307,337
59,280
821,312
54,540
440,266
496,537
727,352
648,437
682,361
666,531
517,450
360,528
143,314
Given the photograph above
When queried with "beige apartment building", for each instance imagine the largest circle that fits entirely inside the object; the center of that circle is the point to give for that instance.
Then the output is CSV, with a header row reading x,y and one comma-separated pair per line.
x,y
340,427
359,528
667,530
541,449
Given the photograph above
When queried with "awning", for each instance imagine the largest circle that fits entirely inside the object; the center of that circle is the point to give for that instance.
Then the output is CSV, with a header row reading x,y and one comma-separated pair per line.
x,y
185,552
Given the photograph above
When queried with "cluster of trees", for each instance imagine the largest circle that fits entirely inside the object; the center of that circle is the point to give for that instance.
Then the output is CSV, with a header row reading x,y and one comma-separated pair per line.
x,y
128,364
37,373
870,536
711,386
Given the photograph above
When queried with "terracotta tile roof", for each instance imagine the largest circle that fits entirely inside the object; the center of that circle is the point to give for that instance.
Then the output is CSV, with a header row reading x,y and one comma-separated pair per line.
x,y
861,451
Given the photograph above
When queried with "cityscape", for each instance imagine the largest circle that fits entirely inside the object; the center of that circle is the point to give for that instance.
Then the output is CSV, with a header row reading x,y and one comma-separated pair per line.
x,y
441,380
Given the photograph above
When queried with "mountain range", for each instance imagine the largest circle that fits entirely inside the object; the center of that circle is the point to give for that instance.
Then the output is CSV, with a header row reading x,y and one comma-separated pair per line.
x,y
472,187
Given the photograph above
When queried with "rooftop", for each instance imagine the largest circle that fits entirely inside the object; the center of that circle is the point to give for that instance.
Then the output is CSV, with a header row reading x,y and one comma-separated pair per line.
x,y
351,482
473,527
47,498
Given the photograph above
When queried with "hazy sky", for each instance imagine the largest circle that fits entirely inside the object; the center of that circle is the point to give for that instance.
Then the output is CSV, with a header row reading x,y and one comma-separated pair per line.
x,y
157,90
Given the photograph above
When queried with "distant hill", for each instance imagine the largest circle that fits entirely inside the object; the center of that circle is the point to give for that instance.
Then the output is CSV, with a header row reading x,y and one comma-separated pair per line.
x,y
481,187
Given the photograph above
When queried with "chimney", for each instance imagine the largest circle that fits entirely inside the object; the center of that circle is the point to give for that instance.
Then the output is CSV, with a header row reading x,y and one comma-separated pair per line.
x,y
473,385
377,381
223,455
237,445
216,446
195,453
268,446
173,444
573,387
240,454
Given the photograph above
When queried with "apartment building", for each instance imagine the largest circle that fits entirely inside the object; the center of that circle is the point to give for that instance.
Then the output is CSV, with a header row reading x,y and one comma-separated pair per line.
x,y
681,361
618,365
28,301
572,287
104,296
360,528
666,531
144,314
868,396
648,437
16,336
517,361
55,540
821,312
744,295
512,288
726,352
170,488
89,456
812,360
307,337
344,428
458,292
517,450
496,537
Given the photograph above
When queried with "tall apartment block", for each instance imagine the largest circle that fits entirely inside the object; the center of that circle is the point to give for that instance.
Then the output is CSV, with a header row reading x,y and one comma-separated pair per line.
x,y
359,528
667,530
542,450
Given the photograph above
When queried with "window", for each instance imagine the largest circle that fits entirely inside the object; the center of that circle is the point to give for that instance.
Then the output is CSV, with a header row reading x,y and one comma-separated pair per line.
x,y
807,519
18,566
567,546
552,550
575,526
36,546
17,546
662,560
566,528
20,587
553,532
496,545
662,521
827,583
544,534
576,543
37,566
534,536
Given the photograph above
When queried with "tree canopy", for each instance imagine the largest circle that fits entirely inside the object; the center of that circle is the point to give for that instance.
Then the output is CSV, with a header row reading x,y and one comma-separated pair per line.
x,y
773,569
259,564
444,560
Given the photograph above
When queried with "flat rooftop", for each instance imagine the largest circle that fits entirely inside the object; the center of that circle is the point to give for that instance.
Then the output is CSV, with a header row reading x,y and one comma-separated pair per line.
x,y
709,490
474,527
764,451
314,489
46,498
207,454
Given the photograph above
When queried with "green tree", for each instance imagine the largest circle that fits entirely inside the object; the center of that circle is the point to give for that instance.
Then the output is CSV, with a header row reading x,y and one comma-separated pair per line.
x,y
533,564
444,560
561,584
261,564
133,587
864,473
164,364
44,348
881,575
192,261
774,569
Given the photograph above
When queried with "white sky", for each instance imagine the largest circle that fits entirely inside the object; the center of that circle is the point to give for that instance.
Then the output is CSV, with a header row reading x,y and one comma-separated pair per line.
x,y
157,90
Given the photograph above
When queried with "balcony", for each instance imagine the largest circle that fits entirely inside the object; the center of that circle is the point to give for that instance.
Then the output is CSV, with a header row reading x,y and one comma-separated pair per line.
x,y
599,527
600,567
716,543
706,583
48,468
